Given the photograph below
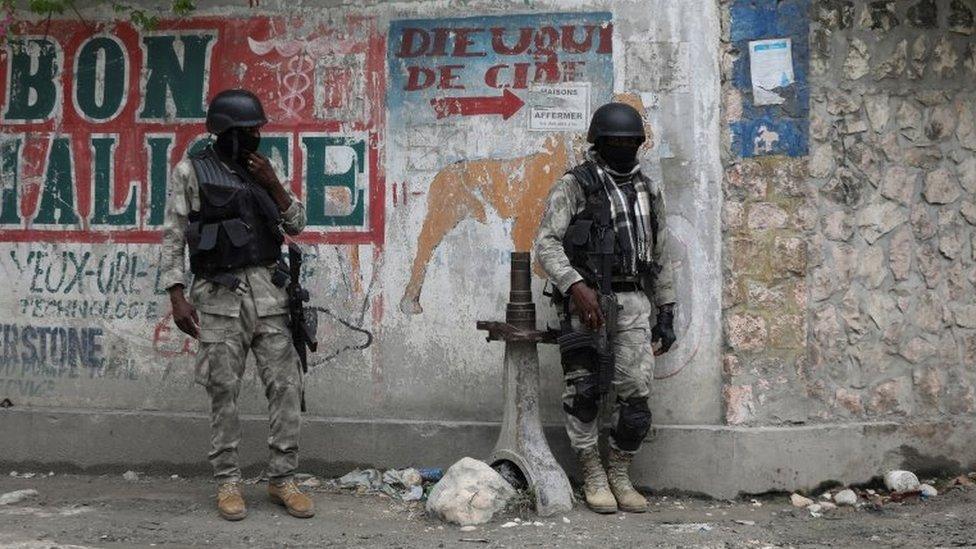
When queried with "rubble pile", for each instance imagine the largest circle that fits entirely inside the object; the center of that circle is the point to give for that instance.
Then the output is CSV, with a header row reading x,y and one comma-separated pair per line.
x,y
406,485
900,486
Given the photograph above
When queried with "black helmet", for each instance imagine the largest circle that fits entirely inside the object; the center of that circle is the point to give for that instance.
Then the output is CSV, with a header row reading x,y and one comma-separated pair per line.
x,y
616,120
234,109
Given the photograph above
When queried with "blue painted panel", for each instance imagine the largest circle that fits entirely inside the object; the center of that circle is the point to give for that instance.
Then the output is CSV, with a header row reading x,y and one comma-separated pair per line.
x,y
759,20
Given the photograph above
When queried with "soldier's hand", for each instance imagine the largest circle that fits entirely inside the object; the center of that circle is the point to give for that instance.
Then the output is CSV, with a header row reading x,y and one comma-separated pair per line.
x,y
663,330
184,315
262,171
587,305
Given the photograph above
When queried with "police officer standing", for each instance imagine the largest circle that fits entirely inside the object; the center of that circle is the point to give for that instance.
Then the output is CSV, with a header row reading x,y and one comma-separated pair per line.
x,y
601,241
228,206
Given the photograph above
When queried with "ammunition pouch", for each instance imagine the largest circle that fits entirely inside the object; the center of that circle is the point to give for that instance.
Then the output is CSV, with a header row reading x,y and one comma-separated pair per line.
x,y
586,399
577,351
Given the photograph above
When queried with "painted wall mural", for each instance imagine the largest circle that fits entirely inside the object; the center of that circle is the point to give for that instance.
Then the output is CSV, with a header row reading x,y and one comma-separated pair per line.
x,y
92,120
506,75
93,123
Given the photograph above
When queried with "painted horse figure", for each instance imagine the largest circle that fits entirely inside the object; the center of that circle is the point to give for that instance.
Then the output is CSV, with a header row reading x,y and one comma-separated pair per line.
x,y
516,188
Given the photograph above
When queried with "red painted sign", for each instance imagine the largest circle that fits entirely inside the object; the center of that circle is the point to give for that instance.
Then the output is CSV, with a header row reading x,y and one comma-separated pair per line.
x,y
93,122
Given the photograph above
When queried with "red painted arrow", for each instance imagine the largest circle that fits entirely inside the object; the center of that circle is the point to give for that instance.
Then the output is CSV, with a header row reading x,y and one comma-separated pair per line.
x,y
506,105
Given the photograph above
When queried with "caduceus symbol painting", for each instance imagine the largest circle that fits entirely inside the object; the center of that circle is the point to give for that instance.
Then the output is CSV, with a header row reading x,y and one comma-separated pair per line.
x,y
300,58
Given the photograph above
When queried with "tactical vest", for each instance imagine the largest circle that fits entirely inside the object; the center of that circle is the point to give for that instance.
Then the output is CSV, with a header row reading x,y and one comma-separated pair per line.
x,y
238,222
590,241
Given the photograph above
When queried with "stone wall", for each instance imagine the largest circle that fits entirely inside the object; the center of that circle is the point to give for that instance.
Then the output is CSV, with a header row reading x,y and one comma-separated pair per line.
x,y
849,272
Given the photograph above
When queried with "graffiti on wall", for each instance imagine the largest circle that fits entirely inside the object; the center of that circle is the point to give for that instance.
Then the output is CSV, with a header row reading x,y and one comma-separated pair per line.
x,y
93,123
452,71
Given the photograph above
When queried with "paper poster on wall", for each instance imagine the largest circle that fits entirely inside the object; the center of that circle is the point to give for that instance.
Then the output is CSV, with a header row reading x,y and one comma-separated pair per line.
x,y
771,67
560,107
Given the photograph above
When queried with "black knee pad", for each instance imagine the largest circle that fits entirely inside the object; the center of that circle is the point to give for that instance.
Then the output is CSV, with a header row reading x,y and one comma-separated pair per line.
x,y
633,423
586,401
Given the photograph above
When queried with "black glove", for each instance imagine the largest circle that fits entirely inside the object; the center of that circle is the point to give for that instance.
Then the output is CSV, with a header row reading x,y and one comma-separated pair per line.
x,y
663,331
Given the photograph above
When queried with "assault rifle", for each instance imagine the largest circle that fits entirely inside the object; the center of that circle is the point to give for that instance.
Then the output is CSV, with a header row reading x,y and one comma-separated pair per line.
x,y
302,320
609,307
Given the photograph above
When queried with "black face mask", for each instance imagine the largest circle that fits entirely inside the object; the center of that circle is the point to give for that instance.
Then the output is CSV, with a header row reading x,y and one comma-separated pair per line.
x,y
619,159
236,144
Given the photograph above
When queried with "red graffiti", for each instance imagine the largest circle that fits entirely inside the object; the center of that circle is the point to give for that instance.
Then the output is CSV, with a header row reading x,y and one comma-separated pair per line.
x,y
169,342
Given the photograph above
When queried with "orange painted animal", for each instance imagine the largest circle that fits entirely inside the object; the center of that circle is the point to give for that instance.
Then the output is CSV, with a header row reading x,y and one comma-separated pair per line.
x,y
515,188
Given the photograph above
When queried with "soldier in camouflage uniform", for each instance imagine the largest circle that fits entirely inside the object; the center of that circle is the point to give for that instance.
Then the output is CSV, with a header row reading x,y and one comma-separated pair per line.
x,y
228,206
607,206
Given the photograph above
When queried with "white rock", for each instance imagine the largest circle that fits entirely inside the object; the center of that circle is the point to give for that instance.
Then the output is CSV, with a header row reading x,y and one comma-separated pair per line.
x,y
17,496
799,501
966,130
928,490
871,266
967,174
899,184
411,477
815,508
968,211
130,476
471,492
944,58
901,252
566,520
857,63
901,481
940,187
919,55
174,477
845,497
468,528
509,524
879,110
827,505
879,218
826,496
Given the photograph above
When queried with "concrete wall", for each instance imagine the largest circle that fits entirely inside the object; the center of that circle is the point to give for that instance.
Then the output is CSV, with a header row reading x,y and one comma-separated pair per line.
x,y
414,205
823,255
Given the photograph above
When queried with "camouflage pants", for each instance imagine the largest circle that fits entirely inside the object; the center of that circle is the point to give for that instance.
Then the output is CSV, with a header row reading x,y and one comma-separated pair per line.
x,y
224,344
633,370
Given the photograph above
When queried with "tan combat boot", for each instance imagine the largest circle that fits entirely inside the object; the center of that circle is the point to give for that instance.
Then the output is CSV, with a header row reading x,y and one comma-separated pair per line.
x,y
296,503
629,500
598,495
230,501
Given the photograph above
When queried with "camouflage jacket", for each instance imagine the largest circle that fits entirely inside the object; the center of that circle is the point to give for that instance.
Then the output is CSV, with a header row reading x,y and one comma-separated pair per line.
x,y
566,199
183,196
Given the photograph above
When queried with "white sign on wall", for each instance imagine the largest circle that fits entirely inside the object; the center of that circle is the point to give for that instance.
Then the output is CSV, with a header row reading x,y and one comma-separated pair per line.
x,y
771,67
559,107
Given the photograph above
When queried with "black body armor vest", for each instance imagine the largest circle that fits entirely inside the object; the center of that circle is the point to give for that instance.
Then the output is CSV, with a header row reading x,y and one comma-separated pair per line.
x,y
590,241
238,222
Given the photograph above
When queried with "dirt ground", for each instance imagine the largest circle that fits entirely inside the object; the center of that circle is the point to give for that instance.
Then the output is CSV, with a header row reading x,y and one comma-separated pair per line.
x,y
107,511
